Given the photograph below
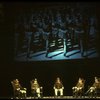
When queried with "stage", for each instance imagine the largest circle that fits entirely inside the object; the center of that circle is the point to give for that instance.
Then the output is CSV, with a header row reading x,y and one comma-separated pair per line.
x,y
64,97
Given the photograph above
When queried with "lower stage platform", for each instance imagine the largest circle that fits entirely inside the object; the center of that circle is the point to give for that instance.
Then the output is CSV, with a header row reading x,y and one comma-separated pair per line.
x,y
64,97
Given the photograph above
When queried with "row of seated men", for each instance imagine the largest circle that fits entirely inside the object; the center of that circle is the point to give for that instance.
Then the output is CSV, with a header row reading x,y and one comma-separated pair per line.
x,y
37,90
21,92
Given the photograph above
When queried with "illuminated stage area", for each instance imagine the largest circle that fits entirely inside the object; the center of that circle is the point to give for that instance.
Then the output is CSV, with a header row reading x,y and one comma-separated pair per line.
x,y
56,55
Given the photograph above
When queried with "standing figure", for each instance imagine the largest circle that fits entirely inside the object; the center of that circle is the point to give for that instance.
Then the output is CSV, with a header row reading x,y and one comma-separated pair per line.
x,y
84,37
58,87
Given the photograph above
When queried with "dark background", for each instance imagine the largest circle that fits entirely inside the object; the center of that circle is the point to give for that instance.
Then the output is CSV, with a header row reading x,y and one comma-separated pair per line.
x,y
47,71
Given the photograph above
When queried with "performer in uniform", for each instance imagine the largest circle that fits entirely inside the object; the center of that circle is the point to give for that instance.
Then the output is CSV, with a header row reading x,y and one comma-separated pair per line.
x,y
78,89
58,87
35,88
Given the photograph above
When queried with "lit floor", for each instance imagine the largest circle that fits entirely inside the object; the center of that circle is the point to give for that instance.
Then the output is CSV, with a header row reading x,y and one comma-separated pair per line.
x,y
64,97
56,55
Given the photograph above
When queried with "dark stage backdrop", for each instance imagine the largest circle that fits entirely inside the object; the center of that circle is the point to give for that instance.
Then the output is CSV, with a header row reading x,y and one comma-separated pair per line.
x,y
46,72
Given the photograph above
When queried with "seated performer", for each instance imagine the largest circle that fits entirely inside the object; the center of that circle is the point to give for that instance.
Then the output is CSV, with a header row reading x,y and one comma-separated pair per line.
x,y
78,89
58,87
19,91
95,88
35,88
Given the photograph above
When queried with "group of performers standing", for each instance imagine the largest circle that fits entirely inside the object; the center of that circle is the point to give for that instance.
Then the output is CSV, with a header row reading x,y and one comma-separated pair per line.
x,y
58,26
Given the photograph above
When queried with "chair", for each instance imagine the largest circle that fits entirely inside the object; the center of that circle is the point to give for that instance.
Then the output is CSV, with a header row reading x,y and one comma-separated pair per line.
x,y
77,91
58,92
91,91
